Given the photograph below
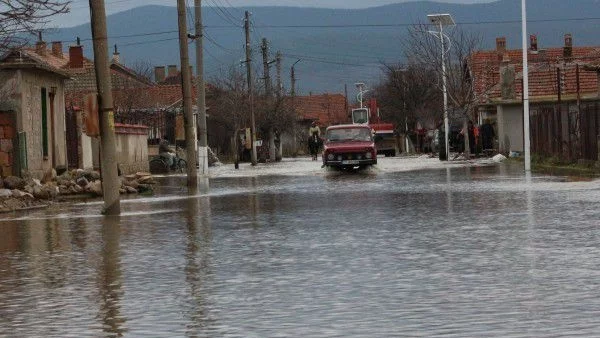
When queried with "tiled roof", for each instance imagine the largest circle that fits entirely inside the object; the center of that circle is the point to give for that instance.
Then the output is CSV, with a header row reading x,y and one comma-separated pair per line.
x,y
486,65
327,109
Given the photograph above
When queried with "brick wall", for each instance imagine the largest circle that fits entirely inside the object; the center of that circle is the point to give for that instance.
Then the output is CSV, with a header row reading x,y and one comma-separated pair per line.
x,y
7,153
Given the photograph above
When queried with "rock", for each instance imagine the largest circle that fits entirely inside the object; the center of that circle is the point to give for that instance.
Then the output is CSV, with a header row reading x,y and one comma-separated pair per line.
x,y
133,183
49,176
76,189
61,180
63,190
5,193
499,158
14,182
19,194
122,191
94,175
131,190
1,183
29,189
146,180
95,188
82,182
130,177
77,173
61,169
40,193
140,174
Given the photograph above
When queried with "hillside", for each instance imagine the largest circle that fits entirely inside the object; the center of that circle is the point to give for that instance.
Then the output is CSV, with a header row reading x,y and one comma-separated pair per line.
x,y
333,56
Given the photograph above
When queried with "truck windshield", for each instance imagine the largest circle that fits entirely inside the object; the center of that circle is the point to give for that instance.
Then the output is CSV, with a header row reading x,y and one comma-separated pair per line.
x,y
354,134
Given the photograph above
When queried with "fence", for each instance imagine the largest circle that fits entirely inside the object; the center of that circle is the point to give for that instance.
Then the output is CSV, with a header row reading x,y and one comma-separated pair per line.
x,y
568,131
161,123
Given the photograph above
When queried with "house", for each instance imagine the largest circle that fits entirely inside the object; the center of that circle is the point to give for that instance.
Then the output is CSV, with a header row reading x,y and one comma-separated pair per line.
x,y
84,150
326,109
32,113
560,87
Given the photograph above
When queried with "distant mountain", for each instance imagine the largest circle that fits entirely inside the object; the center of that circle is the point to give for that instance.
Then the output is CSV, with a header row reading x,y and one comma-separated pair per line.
x,y
332,57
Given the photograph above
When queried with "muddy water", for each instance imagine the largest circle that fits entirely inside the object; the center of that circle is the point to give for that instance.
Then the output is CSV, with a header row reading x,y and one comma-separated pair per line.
x,y
467,252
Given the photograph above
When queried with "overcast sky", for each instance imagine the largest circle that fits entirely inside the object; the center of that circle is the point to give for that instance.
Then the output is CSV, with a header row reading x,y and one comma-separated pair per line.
x,y
80,8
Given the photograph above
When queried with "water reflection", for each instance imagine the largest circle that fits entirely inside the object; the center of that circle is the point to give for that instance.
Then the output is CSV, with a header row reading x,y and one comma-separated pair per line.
x,y
110,279
198,266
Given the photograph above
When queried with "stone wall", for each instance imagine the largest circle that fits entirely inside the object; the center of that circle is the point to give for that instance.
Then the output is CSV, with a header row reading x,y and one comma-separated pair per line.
x,y
132,148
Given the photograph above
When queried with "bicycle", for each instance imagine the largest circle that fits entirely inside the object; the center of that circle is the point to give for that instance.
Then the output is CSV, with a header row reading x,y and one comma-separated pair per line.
x,y
160,165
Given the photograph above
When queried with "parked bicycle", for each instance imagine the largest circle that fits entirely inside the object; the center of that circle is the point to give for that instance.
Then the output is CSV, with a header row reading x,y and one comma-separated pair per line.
x,y
160,165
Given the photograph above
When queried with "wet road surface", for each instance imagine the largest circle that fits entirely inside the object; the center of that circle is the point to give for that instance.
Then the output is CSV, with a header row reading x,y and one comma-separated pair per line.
x,y
463,252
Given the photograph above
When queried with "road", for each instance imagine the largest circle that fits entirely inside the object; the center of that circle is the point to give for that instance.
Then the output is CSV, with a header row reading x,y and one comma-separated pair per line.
x,y
414,247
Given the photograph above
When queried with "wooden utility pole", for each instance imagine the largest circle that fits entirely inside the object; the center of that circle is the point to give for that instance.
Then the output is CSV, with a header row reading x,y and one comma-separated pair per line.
x,y
250,93
110,174
278,66
265,54
201,101
293,82
188,117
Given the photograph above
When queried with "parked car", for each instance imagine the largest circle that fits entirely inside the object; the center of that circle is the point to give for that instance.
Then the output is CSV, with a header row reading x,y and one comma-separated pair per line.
x,y
349,146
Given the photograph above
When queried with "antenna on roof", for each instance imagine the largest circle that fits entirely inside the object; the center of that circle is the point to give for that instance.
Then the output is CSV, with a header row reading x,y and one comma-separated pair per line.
x,y
40,36
78,41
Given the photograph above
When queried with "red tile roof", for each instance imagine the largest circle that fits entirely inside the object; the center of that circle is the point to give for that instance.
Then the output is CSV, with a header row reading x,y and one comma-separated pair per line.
x,y
485,70
327,109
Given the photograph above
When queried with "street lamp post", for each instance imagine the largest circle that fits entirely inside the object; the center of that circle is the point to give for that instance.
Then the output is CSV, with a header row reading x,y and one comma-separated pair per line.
x,y
442,20
527,143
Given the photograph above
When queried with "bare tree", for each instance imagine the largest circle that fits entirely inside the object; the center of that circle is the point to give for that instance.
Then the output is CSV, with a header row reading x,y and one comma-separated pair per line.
x,y
18,17
408,94
424,51
229,106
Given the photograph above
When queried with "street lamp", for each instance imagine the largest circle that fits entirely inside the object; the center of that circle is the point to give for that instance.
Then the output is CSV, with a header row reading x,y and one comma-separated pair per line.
x,y
526,141
442,20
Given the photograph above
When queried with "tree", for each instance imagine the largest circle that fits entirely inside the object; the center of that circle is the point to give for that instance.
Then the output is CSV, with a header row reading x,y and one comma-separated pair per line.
x,y
408,94
25,16
424,51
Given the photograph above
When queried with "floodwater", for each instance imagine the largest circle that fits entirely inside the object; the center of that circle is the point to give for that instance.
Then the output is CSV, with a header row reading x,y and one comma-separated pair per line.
x,y
462,252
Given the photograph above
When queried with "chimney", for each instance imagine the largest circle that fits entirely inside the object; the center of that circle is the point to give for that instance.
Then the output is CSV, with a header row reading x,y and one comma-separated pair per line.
x,y
533,45
40,46
76,56
116,54
172,70
568,49
57,49
501,45
159,74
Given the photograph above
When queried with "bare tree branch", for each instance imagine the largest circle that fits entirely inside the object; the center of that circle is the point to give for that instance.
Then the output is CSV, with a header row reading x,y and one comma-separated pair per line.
x,y
18,17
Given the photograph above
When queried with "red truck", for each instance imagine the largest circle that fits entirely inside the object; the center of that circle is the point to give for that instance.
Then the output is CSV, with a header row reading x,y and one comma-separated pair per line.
x,y
386,141
349,147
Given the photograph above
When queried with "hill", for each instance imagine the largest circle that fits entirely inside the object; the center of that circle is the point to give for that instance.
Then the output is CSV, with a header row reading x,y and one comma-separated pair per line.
x,y
333,56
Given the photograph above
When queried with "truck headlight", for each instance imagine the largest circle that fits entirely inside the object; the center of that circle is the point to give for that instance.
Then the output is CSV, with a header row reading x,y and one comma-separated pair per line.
x,y
330,156
368,155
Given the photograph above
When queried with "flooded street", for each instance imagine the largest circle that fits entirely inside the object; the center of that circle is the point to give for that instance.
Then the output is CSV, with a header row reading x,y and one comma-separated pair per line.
x,y
456,252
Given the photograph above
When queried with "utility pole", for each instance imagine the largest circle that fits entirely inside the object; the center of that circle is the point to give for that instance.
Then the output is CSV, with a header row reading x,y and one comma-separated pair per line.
x,y
265,55
201,99
293,75
188,117
278,66
110,174
250,94
293,83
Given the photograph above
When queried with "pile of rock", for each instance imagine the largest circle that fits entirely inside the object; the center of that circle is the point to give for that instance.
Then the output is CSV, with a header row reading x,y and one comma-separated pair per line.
x,y
18,193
